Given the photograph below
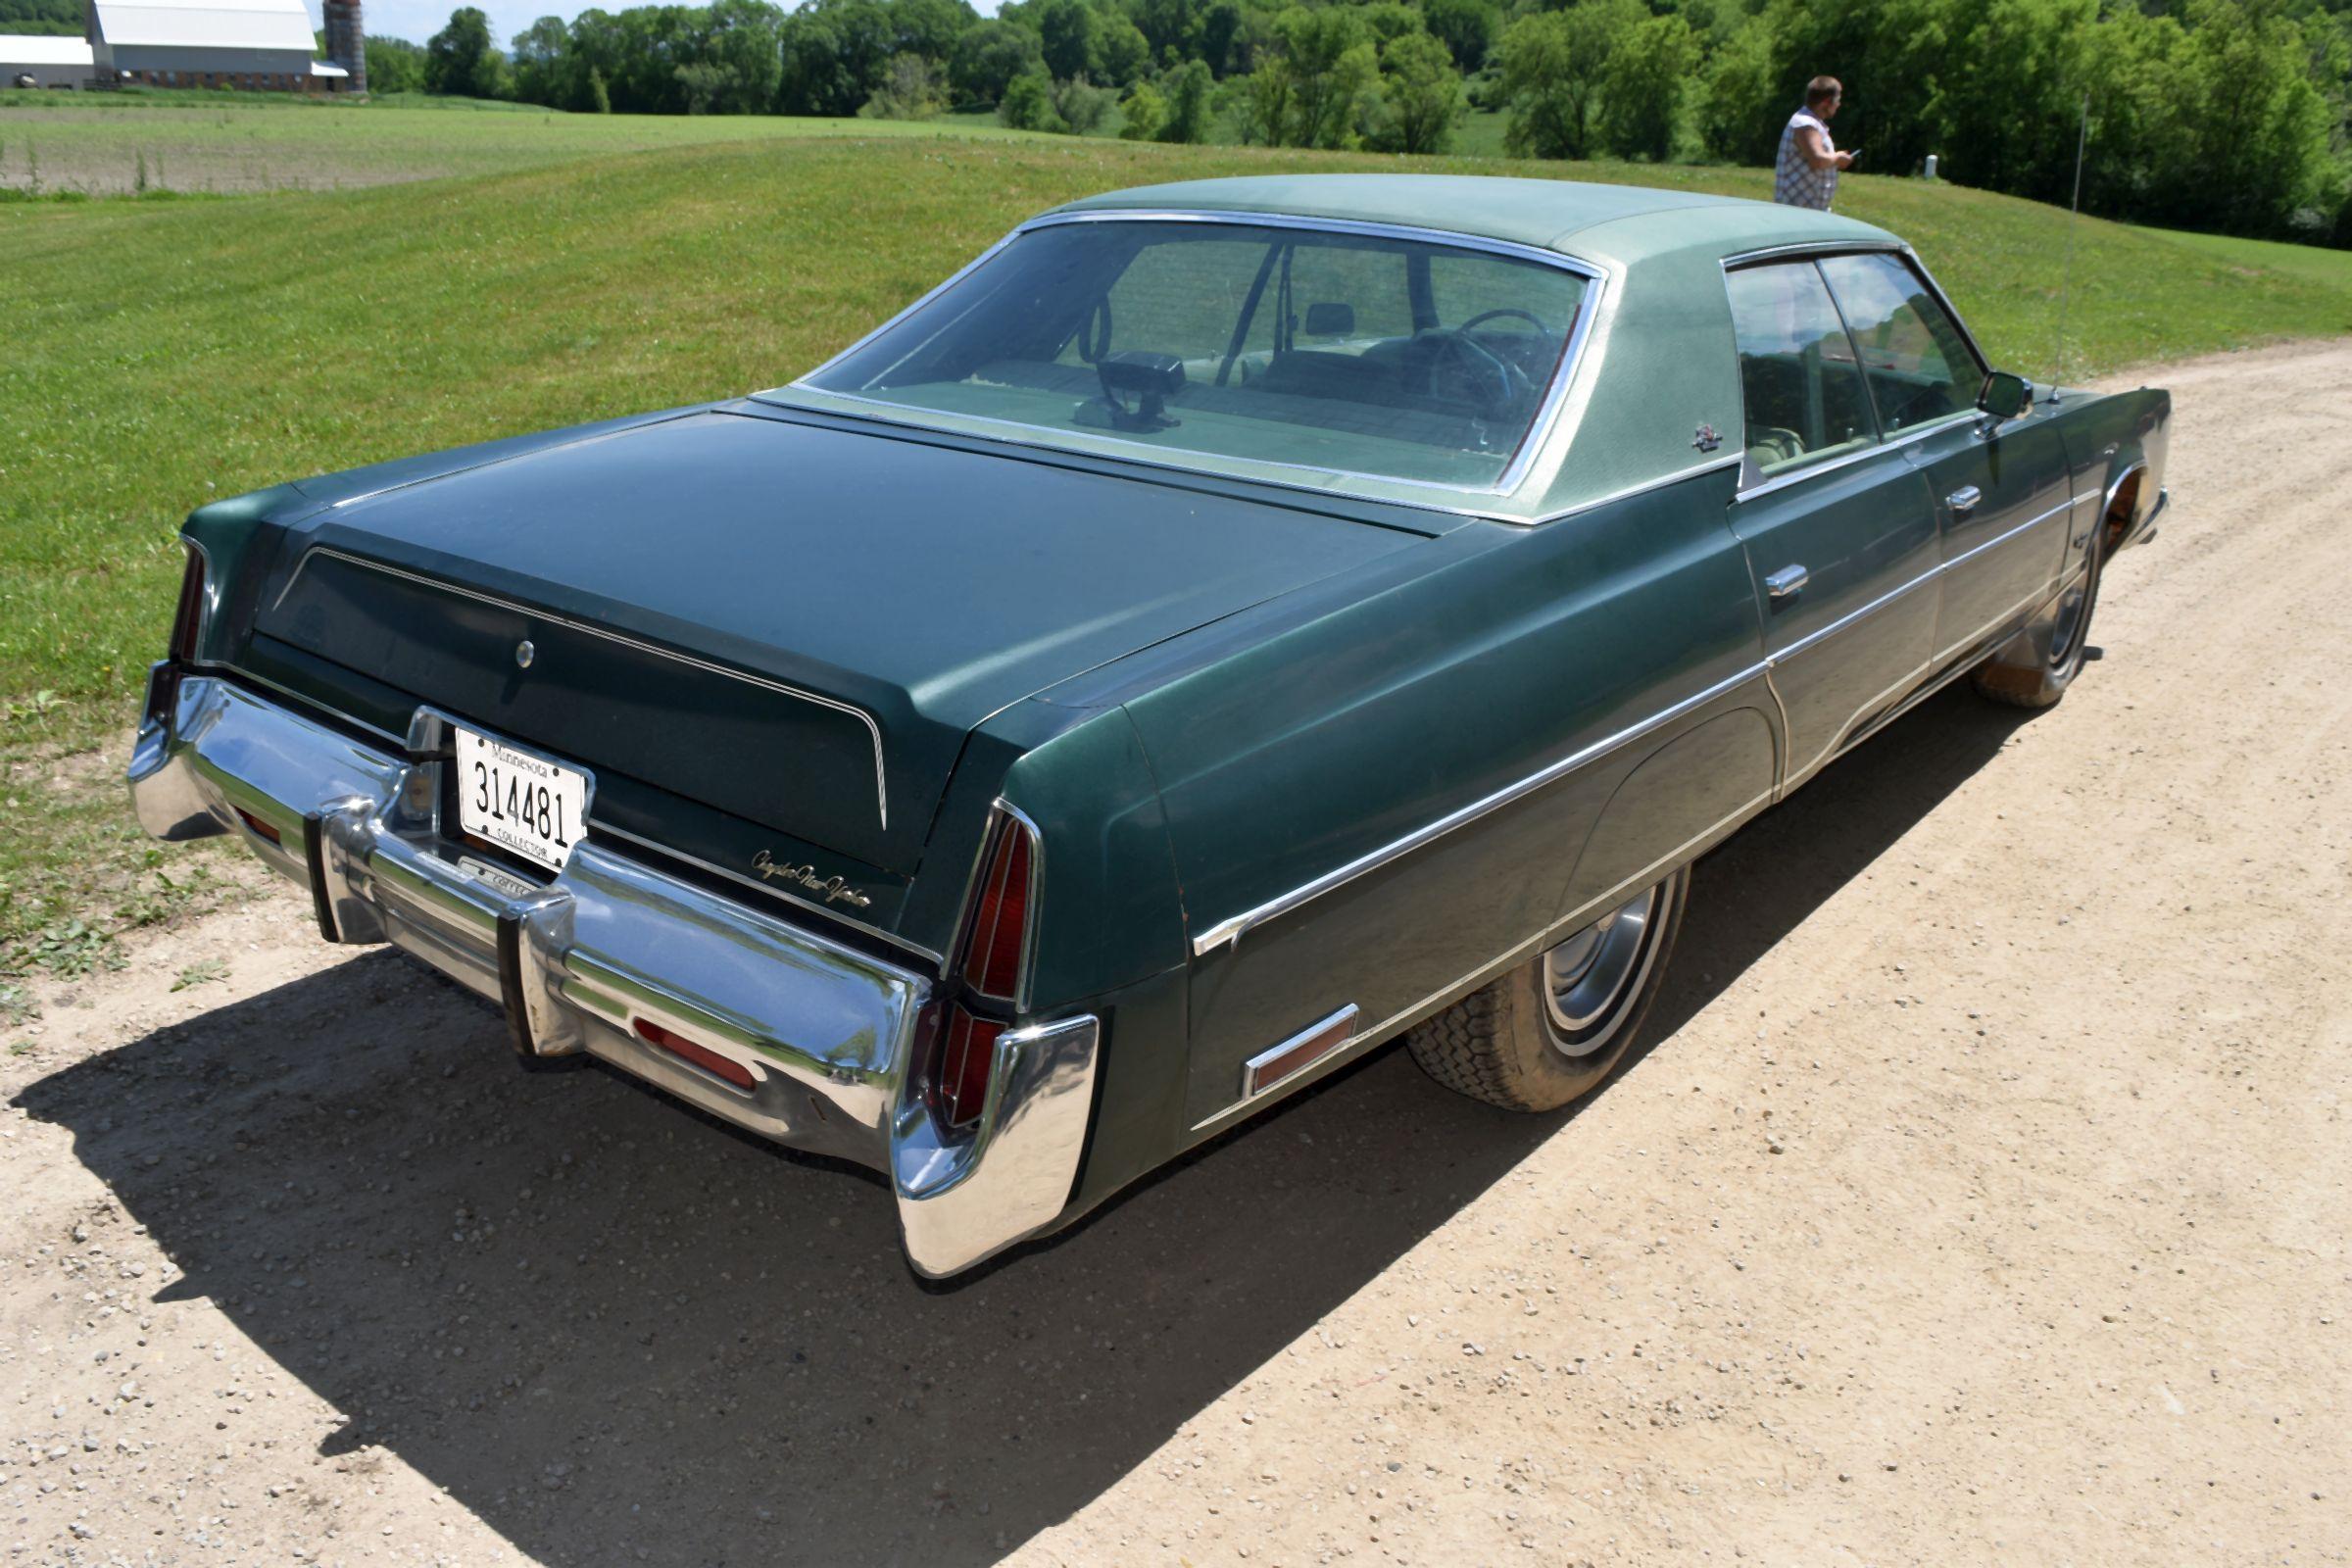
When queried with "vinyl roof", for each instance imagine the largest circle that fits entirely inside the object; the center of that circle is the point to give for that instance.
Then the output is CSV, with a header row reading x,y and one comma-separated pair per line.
x,y
206,23
1566,215
24,49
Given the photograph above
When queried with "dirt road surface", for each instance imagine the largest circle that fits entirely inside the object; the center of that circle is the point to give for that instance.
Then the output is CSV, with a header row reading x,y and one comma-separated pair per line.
x,y
1984,1199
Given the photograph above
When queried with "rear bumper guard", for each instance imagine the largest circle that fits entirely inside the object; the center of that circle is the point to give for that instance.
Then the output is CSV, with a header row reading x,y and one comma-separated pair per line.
x,y
824,1031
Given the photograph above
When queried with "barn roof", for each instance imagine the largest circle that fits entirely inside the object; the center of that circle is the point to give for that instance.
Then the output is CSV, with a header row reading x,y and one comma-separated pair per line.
x,y
205,23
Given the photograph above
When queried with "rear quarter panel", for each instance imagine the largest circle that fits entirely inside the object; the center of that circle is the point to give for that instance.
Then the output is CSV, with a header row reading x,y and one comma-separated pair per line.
x,y
1511,651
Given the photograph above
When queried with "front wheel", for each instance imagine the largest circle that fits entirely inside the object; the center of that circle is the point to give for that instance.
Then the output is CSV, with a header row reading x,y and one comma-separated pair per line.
x,y
1551,1030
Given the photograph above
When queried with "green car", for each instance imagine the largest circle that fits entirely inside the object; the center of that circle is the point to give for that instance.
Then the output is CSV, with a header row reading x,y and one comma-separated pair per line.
x,y
1226,626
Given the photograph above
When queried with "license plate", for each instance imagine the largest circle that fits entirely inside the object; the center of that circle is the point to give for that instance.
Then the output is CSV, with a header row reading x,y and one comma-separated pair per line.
x,y
518,802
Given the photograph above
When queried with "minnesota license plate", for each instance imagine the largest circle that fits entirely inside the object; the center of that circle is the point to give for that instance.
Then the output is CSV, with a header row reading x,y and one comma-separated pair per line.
x,y
518,802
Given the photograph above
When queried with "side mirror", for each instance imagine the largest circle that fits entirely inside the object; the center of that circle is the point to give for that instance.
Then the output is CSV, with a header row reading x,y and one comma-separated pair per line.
x,y
2005,396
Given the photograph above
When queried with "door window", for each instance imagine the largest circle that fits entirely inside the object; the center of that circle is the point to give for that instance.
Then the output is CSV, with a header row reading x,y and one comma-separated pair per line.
x,y
1798,374
1919,366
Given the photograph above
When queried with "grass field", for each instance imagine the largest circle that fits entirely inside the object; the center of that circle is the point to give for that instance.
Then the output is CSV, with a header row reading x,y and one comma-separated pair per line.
x,y
154,355
114,145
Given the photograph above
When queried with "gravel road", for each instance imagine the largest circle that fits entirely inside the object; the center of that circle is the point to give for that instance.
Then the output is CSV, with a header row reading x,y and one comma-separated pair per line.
x,y
1984,1198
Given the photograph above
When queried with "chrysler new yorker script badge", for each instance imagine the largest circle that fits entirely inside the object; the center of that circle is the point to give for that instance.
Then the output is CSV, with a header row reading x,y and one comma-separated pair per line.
x,y
834,889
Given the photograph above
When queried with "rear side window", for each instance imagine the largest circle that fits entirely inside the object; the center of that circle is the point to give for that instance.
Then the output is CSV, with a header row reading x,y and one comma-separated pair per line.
x,y
1919,366
1797,372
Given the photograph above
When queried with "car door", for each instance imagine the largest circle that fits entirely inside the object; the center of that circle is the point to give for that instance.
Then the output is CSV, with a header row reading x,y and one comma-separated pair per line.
x,y
1840,528
2000,487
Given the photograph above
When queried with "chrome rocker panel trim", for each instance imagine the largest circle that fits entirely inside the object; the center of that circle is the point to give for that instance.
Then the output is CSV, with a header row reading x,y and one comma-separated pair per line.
x,y
827,1033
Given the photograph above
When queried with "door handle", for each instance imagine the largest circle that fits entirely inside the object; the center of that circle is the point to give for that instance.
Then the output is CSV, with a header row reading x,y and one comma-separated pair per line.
x,y
1963,501
1785,583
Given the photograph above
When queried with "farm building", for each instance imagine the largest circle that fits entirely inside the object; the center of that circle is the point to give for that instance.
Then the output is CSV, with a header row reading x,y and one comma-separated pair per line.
x,y
46,62
259,44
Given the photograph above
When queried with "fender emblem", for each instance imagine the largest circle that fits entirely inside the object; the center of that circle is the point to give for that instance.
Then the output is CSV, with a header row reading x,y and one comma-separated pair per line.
x,y
1707,439
834,889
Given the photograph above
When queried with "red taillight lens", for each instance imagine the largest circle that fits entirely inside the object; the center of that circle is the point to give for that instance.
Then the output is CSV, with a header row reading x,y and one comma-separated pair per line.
x,y
967,1056
188,621
685,1050
993,953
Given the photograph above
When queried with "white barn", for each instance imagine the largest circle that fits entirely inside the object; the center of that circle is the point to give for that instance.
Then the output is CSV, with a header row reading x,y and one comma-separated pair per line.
x,y
258,44
48,62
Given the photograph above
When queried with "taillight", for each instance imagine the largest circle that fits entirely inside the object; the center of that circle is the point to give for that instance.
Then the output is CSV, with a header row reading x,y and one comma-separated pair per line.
x,y
967,1057
188,622
1000,931
962,1048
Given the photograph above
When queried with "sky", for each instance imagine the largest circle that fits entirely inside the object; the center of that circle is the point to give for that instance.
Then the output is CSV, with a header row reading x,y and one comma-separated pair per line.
x,y
418,20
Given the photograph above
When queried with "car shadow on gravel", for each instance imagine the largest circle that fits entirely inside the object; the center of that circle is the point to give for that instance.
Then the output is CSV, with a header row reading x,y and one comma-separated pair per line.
x,y
618,1332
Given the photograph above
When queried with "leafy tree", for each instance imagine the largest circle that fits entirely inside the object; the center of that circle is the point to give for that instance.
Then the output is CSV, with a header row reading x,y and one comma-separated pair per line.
x,y
1740,93
1554,63
1121,51
394,65
1643,90
836,54
1146,112
914,88
931,27
1263,105
988,56
460,60
1220,27
1028,103
1169,27
1467,27
1067,30
1188,104
1329,57
1421,95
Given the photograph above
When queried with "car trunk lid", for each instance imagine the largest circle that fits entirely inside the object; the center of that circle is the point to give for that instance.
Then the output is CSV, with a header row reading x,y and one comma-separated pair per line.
x,y
791,623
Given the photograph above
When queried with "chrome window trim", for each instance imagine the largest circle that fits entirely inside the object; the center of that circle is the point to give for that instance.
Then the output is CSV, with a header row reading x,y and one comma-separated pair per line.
x,y
1694,472
1816,251
873,729
1540,432
1230,930
1782,481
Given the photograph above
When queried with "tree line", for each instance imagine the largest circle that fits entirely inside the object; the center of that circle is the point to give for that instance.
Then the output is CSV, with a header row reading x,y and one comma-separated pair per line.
x,y
2224,115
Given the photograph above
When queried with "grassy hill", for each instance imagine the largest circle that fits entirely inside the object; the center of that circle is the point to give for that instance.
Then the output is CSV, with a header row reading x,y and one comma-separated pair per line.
x,y
157,354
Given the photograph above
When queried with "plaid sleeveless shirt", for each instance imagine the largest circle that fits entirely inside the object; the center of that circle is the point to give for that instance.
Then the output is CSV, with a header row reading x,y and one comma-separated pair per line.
x,y
1796,182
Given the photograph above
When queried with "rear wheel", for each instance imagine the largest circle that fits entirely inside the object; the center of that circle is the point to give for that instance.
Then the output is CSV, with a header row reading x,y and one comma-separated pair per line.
x,y
1551,1030
2034,669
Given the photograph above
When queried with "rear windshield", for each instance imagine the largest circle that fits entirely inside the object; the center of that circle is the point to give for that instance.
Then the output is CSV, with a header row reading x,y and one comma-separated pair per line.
x,y
1392,358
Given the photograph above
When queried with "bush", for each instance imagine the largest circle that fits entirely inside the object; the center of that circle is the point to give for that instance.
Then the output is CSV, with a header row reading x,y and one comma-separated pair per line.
x,y
1188,104
1028,103
1146,112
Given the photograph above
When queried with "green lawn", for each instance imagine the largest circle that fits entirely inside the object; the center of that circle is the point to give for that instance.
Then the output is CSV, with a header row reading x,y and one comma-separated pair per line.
x,y
154,355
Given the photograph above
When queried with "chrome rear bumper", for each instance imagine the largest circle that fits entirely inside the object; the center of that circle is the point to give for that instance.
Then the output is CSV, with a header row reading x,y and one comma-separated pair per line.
x,y
825,1032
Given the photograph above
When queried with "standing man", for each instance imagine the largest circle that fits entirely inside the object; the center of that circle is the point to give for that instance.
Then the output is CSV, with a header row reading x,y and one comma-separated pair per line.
x,y
1807,174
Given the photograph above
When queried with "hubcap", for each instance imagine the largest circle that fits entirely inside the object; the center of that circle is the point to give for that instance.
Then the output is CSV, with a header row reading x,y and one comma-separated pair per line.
x,y
1589,979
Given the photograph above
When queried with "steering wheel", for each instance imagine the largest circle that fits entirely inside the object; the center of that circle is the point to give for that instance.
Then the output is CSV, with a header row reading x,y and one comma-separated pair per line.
x,y
1529,317
1481,376
1785,444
